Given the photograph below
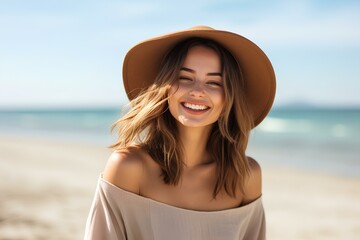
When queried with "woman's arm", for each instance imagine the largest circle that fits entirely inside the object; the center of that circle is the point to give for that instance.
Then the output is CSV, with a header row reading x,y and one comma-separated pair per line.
x,y
105,220
124,169
253,189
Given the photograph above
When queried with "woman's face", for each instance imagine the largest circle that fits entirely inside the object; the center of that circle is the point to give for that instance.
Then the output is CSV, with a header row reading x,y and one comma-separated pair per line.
x,y
198,97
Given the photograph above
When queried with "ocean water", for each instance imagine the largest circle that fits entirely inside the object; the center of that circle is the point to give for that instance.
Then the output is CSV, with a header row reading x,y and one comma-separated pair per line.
x,y
90,125
325,140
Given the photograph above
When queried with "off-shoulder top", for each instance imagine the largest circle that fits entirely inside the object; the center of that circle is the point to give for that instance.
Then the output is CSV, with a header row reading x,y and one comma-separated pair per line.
x,y
119,214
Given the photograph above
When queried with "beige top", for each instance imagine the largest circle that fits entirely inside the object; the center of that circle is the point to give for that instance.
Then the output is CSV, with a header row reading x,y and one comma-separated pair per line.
x,y
119,214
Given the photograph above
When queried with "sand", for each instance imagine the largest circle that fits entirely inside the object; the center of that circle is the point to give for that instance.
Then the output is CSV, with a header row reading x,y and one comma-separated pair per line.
x,y
47,186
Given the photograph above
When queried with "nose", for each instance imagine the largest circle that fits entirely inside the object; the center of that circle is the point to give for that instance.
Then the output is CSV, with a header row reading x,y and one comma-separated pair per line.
x,y
197,90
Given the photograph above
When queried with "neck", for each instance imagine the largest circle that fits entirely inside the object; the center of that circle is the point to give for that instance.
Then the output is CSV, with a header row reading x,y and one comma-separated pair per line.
x,y
194,142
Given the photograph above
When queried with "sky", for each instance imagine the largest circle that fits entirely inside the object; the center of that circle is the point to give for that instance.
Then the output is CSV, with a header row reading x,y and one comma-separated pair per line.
x,y
69,53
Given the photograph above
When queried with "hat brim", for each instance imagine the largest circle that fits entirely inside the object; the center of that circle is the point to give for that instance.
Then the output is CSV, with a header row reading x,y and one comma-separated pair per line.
x,y
142,64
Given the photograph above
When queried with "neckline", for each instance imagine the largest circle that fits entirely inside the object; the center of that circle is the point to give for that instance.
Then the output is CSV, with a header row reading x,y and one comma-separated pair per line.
x,y
158,203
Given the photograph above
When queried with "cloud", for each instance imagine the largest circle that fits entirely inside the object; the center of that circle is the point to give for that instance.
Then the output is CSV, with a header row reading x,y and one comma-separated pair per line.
x,y
301,24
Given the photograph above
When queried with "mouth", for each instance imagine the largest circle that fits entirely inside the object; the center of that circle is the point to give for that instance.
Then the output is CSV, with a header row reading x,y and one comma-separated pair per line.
x,y
195,107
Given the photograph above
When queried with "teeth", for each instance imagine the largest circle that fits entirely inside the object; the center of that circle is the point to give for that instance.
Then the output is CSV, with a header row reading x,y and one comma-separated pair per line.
x,y
195,106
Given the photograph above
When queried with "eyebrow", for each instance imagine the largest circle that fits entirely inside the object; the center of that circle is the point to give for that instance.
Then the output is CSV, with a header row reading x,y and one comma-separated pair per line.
x,y
209,74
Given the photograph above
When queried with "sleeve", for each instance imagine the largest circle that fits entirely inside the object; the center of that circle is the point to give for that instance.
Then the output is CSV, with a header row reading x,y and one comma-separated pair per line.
x,y
104,221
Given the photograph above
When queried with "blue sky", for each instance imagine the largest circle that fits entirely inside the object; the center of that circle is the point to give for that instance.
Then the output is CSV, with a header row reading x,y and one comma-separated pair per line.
x,y
69,53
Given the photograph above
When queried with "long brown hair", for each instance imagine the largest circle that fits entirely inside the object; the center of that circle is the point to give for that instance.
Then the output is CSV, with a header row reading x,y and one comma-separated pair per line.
x,y
150,124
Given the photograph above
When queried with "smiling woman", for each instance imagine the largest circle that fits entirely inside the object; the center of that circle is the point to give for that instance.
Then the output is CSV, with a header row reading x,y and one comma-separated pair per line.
x,y
179,160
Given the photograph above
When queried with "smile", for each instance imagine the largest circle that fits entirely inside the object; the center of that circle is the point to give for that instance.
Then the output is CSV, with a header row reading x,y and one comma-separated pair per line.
x,y
196,107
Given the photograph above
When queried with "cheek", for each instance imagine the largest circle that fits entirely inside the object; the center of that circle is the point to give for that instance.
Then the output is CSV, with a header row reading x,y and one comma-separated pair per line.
x,y
173,92
218,98
220,102
172,101
173,89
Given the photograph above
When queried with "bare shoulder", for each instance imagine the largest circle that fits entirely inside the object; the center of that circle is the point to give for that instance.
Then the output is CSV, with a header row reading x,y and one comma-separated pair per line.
x,y
253,187
124,169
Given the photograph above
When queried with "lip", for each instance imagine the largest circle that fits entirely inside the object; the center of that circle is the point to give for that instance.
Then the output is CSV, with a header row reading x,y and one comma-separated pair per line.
x,y
194,111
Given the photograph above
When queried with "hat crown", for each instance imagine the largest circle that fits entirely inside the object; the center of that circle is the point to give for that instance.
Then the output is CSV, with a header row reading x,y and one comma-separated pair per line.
x,y
201,27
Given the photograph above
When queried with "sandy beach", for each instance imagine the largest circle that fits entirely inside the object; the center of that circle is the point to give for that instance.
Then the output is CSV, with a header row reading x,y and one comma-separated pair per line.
x,y
47,186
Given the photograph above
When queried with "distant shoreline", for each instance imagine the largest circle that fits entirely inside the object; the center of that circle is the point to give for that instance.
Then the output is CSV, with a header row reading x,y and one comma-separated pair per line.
x,y
281,107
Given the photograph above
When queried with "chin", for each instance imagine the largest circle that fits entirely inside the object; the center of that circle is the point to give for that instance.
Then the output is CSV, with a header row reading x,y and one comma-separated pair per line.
x,y
192,124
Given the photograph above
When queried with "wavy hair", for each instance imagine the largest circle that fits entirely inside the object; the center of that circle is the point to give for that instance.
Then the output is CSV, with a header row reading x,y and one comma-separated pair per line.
x,y
150,124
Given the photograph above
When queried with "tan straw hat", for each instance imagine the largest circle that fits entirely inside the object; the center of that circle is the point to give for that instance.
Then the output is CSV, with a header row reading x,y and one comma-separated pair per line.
x,y
142,63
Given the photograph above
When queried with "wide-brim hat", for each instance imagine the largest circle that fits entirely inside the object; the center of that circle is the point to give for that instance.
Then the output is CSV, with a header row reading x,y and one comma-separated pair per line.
x,y
142,64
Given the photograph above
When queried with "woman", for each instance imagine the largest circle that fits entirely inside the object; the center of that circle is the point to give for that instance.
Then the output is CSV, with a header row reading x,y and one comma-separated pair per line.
x,y
179,169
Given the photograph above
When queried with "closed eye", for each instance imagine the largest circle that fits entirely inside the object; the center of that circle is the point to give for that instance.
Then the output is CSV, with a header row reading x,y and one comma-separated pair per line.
x,y
185,78
217,84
